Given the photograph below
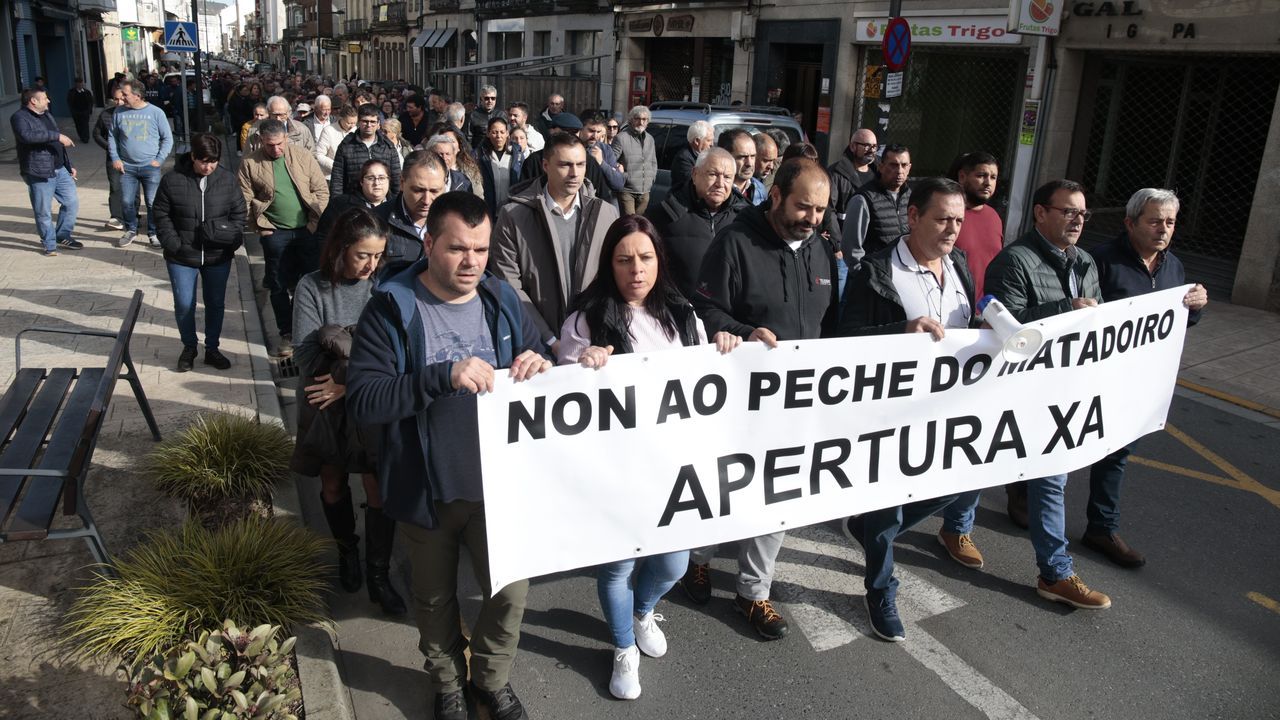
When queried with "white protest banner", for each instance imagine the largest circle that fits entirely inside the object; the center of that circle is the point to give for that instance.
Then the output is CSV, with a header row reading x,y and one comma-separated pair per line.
x,y
685,448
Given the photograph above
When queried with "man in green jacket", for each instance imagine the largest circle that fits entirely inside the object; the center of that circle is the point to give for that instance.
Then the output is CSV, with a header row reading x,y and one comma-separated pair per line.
x,y
1043,274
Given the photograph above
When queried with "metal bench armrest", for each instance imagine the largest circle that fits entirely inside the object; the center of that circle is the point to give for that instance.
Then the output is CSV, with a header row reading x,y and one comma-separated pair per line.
x,y
17,340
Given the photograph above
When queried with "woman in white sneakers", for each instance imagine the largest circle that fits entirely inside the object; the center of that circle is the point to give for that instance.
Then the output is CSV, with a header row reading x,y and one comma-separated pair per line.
x,y
633,305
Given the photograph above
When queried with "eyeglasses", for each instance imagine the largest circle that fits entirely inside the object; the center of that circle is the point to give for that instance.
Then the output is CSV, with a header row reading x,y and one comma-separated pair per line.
x,y
376,178
613,126
1072,213
368,121
280,115
865,145
489,98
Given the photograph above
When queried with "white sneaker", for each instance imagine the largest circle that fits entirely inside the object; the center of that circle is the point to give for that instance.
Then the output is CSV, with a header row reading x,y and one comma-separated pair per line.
x,y
115,224
125,239
625,683
649,637
153,241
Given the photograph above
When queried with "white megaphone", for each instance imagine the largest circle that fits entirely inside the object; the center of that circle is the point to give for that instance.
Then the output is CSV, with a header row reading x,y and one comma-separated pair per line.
x,y
1020,343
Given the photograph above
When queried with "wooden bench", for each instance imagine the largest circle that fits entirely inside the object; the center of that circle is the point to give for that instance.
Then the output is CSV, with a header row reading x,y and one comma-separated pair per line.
x,y
50,419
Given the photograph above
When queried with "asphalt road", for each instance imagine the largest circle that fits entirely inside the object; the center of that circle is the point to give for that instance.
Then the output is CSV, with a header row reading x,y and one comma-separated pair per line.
x,y
1184,638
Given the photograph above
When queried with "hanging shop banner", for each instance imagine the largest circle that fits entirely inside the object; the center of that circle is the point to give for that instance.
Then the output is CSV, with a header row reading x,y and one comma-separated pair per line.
x,y
681,449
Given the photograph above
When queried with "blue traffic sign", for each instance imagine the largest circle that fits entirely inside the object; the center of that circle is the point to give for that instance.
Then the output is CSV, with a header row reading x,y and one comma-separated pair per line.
x,y
181,36
896,44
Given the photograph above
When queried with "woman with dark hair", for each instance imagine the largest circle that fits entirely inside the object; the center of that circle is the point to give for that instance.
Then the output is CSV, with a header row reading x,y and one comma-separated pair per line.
x,y
200,215
326,306
633,305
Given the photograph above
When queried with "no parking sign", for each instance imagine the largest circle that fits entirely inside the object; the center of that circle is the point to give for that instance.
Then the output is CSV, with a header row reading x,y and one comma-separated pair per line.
x,y
896,44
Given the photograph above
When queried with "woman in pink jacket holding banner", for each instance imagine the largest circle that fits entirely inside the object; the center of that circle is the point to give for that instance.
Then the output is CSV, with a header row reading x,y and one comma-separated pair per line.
x,y
633,305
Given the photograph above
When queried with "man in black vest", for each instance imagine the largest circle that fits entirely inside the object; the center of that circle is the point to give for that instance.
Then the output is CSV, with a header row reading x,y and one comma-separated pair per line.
x,y
877,214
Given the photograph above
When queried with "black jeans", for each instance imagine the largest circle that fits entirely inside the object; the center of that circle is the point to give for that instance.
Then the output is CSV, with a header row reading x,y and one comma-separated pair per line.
x,y
287,255
1105,478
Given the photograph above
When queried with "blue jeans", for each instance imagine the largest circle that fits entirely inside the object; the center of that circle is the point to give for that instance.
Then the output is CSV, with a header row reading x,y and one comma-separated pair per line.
x,y
183,280
881,527
1048,525
42,193
957,518
620,598
1105,477
148,176
285,254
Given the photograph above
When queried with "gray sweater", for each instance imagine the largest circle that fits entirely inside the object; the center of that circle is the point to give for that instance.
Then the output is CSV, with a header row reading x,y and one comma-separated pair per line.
x,y
317,303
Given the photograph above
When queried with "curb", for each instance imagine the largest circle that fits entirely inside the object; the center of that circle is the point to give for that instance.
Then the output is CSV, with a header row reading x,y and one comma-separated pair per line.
x,y
1233,399
325,695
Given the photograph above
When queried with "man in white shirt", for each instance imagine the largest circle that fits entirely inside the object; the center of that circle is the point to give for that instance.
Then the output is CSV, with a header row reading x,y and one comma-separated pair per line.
x,y
919,283
518,113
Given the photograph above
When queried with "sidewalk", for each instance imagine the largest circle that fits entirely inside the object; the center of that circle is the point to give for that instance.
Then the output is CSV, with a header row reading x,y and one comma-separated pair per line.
x,y
1234,353
90,288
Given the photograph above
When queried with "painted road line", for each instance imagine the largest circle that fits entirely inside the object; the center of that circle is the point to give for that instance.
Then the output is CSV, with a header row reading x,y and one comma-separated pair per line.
x,y
1233,399
1264,601
1242,480
822,592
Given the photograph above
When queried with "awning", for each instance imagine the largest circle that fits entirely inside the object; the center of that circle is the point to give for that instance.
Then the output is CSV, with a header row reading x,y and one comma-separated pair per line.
x,y
434,37
519,66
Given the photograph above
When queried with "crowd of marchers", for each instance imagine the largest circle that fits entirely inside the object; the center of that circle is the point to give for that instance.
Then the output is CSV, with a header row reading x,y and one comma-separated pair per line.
x,y
414,248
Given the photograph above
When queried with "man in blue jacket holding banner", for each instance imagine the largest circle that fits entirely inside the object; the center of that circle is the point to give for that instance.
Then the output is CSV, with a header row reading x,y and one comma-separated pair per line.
x,y
431,337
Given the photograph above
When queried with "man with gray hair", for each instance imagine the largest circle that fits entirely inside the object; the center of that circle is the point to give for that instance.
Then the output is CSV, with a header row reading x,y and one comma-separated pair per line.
x,y
692,213
637,153
456,115
1136,262
446,147
321,116
701,136
278,108
285,193
486,110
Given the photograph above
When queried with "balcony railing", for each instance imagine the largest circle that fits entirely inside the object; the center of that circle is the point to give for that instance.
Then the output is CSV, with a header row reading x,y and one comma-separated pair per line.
x,y
355,28
388,16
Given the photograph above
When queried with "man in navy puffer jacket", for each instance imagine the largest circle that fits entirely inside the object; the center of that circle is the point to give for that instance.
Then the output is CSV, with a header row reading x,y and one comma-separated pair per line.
x,y
46,167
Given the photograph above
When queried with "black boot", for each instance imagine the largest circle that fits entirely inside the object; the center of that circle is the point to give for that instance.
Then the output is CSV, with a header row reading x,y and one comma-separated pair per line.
x,y
342,523
381,531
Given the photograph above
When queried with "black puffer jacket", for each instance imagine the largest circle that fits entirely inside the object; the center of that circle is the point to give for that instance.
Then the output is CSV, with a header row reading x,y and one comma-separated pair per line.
x,y
687,228
181,206
351,156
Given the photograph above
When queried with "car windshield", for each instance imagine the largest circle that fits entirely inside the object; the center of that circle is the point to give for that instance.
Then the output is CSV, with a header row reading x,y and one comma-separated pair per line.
x,y
792,133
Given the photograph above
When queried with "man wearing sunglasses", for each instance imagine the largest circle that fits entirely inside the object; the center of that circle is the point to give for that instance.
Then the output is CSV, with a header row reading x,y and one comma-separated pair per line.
x,y
1043,274
854,165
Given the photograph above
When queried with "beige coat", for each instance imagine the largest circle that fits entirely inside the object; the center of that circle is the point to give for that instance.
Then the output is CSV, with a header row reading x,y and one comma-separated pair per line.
x,y
258,183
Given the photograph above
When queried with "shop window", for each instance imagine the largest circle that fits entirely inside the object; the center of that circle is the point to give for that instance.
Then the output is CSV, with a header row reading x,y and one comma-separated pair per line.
x,y
1168,122
954,101
506,45
583,42
695,69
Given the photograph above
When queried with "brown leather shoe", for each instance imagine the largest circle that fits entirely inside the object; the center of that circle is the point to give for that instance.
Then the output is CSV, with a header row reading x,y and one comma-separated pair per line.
x,y
1073,592
1017,507
1115,548
961,549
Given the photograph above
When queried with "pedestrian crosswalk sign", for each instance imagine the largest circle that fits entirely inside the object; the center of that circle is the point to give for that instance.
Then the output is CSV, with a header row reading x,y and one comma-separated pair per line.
x,y
180,36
